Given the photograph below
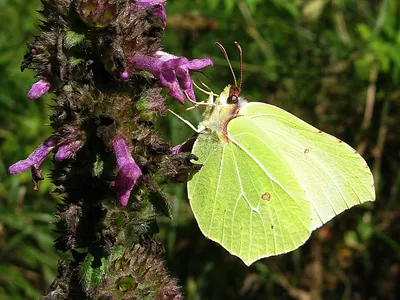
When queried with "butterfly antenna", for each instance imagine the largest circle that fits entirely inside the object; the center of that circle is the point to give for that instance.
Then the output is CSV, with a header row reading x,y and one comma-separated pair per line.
x,y
227,59
241,63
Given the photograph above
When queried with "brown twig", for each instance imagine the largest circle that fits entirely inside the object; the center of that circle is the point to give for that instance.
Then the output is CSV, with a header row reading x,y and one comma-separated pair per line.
x,y
369,108
317,270
282,280
341,25
381,141
370,103
253,32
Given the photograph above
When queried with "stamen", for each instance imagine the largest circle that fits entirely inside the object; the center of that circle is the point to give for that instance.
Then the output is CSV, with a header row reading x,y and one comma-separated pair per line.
x,y
198,103
184,121
209,92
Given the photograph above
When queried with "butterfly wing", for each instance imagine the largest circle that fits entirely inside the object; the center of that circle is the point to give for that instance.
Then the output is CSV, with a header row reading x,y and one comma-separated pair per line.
x,y
333,175
245,197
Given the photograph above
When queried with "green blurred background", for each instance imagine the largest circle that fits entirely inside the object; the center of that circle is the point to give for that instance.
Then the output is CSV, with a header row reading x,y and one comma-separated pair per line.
x,y
333,63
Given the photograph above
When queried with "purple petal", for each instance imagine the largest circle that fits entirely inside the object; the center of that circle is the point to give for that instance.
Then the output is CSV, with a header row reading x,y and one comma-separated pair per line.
x,y
36,158
173,64
124,75
121,150
147,3
197,64
190,92
168,80
125,181
176,149
128,171
148,63
38,89
162,13
68,150
156,67
158,11
164,56
183,73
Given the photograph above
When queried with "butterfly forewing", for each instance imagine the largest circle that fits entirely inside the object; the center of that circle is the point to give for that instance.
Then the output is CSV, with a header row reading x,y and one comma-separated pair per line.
x,y
334,176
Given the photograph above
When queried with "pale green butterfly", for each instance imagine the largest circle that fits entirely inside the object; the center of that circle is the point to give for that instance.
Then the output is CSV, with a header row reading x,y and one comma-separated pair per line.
x,y
268,178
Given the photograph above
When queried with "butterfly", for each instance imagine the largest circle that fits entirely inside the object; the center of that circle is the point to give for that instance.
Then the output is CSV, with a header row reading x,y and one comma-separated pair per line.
x,y
268,179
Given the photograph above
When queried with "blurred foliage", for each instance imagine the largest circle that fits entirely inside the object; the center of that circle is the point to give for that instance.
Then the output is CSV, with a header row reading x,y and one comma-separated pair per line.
x,y
333,63
28,260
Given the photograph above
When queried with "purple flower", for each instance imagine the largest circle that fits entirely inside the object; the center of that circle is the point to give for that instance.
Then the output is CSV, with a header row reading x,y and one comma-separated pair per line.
x,y
38,89
67,151
128,171
36,158
157,11
34,161
162,13
176,149
146,3
168,68
124,75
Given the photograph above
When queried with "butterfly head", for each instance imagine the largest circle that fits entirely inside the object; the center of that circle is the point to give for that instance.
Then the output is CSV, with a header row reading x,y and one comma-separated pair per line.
x,y
234,93
227,104
230,97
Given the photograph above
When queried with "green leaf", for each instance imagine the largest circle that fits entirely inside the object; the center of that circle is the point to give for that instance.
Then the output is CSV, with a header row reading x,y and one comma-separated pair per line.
x,y
92,271
229,5
73,38
289,6
313,9
365,31
213,4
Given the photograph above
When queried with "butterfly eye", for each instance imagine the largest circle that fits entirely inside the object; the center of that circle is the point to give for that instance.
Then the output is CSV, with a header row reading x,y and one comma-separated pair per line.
x,y
233,99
